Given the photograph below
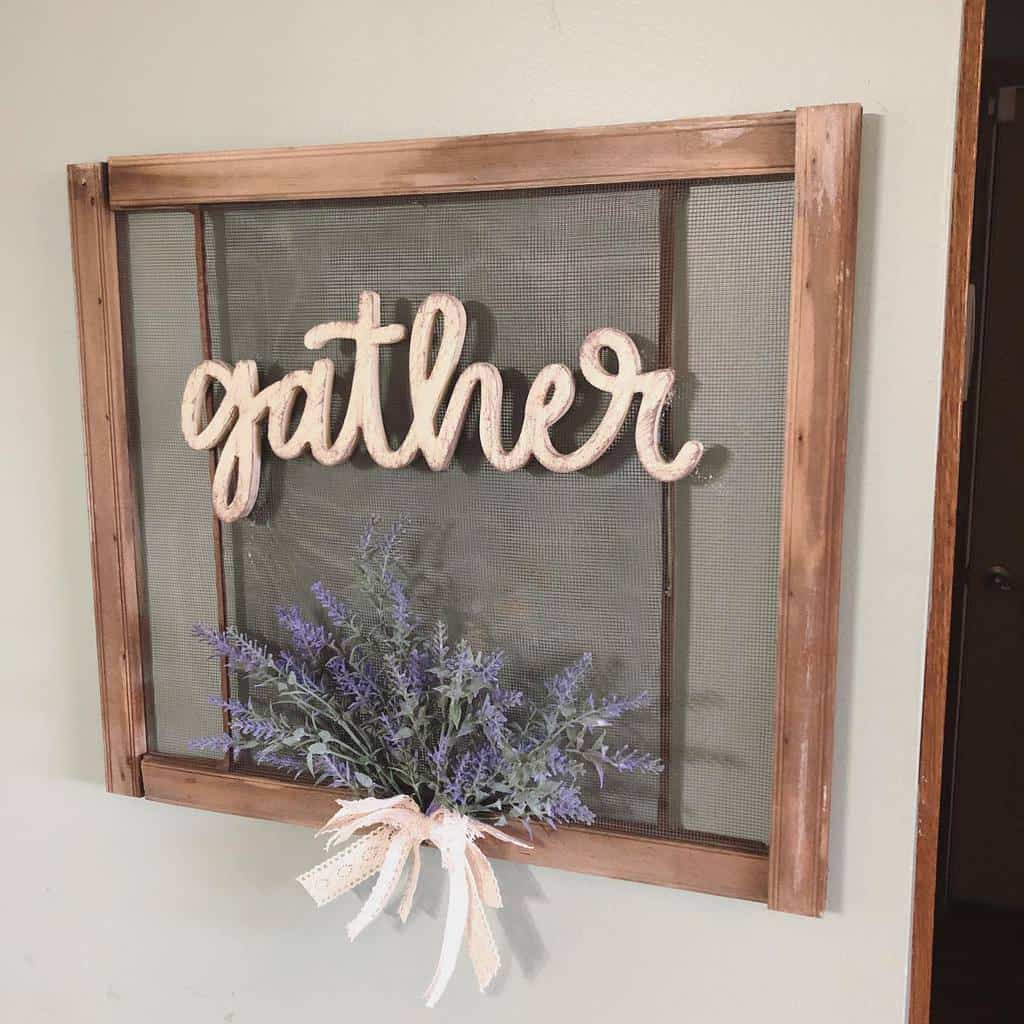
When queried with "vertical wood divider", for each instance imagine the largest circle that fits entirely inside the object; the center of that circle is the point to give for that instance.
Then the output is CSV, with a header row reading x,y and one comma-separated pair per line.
x,y
821,320
218,539
666,284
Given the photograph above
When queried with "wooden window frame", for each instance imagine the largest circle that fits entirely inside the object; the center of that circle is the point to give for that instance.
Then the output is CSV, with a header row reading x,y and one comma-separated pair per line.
x,y
956,345
820,147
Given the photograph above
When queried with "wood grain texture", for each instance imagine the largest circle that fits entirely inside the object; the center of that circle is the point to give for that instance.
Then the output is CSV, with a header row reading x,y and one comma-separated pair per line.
x,y
111,501
725,872
821,317
699,148
947,477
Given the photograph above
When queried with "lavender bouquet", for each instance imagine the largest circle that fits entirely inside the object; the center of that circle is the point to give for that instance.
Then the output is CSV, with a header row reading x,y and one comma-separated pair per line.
x,y
422,732
381,706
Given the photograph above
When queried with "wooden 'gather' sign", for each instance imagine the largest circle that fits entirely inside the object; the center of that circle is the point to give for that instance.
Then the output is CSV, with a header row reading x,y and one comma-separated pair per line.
x,y
235,422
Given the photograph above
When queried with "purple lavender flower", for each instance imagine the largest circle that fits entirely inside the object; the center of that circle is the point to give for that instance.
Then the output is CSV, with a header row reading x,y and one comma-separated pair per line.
x,y
397,709
389,541
612,708
462,660
338,771
506,698
564,686
557,762
257,728
494,722
471,771
567,804
358,684
217,641
288,665
366,538
400,609
628,760
247,721
309,639
416,671
232,706
242,654
492,666
394,734
335,610
219,744
438,755
285,762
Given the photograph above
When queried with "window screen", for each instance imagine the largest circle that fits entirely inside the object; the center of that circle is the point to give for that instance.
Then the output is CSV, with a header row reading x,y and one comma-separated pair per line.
x,y
672,588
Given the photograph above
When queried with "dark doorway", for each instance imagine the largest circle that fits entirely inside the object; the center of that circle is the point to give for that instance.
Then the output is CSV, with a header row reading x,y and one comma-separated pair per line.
x,y
978,954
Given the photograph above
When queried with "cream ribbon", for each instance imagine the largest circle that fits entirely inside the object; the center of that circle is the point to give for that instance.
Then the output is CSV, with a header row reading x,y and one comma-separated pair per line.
x,y
391,831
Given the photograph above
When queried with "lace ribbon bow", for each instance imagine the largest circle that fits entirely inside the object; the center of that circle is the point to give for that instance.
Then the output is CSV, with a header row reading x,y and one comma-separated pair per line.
x,y
391,831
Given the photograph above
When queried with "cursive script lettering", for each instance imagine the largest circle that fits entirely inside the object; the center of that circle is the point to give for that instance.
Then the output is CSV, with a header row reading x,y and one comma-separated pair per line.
x,y
235,423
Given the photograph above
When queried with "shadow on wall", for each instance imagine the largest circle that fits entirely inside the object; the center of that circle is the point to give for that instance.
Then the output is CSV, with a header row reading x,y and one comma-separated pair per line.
x,y
870,188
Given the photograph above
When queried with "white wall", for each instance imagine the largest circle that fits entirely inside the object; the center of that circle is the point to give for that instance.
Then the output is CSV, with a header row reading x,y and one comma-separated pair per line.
x,y
120,910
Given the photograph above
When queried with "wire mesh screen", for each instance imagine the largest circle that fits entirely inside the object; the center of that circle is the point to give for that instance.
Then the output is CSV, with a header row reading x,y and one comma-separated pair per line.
x,y
674,597
730,332
172,484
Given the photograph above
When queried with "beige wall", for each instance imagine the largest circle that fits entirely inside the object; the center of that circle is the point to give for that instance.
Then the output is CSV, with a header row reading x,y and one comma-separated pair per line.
x,y
118,910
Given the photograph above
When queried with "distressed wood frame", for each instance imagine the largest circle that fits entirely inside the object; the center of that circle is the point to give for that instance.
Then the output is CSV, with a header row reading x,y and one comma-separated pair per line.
x,y
820,147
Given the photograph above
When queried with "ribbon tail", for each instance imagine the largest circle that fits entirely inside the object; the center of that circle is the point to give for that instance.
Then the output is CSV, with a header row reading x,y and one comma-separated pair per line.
x,y
504,837
387,882
338,874
483,875
483,951
410,886
454,857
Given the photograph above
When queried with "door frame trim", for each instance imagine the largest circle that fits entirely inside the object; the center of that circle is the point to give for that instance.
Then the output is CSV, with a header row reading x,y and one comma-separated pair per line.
x,y
947,478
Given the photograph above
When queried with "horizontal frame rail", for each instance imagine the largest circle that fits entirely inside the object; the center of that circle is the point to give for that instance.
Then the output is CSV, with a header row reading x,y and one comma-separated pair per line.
x,y
187,782
702,148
